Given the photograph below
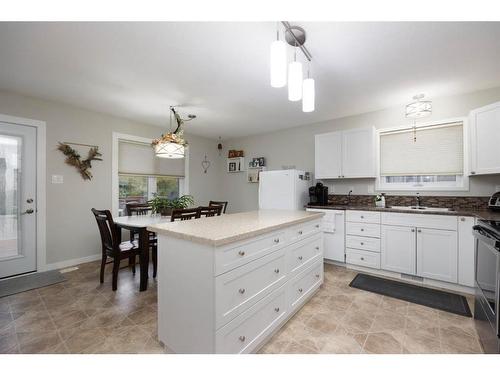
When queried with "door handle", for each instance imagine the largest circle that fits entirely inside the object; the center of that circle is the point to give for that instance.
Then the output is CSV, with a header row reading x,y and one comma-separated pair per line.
x,y
29,211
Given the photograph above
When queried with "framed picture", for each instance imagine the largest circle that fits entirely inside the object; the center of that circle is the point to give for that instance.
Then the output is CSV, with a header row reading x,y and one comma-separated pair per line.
x,y
231,167
262,162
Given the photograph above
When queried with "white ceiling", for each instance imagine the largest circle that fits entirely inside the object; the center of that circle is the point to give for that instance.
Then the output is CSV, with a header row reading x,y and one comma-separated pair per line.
x,y
220,71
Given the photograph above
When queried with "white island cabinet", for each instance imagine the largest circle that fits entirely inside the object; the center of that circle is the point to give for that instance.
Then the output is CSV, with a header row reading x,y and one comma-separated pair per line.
x,y
227,283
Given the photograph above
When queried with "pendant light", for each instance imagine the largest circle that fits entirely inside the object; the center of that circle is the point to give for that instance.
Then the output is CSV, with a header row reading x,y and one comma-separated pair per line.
x,y
172,145
278,62
308,94
295,79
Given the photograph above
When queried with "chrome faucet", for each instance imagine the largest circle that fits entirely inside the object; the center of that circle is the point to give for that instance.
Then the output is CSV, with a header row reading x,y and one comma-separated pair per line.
x,y
349,197
418,200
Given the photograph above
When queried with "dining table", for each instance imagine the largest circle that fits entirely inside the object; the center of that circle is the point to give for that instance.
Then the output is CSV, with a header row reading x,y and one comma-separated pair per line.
x,y
138,224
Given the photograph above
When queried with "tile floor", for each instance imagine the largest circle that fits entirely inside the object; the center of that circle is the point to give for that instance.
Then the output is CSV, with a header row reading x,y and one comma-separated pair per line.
x,y
82,316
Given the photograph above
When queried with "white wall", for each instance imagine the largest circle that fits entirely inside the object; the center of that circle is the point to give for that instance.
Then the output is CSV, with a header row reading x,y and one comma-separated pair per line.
x,y
296,147
71,229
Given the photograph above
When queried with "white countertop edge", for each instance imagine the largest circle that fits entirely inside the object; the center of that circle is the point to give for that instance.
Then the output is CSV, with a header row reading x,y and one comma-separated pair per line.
x,y
234,237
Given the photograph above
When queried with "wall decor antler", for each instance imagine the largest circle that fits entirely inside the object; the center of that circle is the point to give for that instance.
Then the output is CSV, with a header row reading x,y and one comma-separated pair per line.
x,y
74,159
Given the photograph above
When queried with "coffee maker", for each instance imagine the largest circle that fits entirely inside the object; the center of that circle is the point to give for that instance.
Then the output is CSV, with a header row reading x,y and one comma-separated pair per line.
x,y
318,195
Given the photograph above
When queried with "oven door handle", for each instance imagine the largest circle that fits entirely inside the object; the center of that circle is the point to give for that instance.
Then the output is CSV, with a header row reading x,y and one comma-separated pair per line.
x,y
485,235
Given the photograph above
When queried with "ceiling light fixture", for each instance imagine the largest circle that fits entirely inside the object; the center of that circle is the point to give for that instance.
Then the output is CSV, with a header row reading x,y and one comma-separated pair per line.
x,y
172,145
298,87
419,108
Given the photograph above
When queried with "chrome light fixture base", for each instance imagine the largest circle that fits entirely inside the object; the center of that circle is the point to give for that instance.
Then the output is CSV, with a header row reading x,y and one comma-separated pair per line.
x,y
295,36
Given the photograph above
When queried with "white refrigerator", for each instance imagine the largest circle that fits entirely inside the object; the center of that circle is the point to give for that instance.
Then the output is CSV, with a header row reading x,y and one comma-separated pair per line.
x,y
283,190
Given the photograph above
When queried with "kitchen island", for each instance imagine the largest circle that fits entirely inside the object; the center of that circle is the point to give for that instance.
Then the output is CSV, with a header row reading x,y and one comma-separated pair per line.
x,y
227,283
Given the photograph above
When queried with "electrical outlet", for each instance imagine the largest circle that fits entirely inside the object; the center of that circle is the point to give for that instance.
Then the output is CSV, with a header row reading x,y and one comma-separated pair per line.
x,y
57,179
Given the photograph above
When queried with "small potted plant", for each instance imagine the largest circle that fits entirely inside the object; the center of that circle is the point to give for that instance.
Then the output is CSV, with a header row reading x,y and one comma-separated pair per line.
x,y
380,200
164,206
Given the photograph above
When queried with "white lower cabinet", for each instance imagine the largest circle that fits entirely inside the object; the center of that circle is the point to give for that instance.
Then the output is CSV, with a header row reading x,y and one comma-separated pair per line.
x,y
398,249
437,255
304,284
466,256
362,258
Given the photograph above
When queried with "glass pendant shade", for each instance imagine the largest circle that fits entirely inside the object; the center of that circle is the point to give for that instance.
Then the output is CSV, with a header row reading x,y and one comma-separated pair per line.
x,y
419,108
308,95
294,81
169,150
278,64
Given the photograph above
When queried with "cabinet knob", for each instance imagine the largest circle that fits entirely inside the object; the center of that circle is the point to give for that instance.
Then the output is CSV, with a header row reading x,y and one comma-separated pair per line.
x,y
242,338
413,230
277,309
317,275
317,247
241,252
300,290
419,231
362,230
362,217
362,258
300,232
462,219
242,290
276,240
300,257
362,243
317,225
472,172
277,270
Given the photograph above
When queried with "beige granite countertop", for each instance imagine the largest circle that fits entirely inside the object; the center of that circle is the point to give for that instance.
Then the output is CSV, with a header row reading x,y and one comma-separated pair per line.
x,y
225,229
480,214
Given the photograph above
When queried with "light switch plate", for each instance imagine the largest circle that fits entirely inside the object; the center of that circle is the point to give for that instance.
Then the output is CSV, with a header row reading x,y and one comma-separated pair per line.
x,y
57,179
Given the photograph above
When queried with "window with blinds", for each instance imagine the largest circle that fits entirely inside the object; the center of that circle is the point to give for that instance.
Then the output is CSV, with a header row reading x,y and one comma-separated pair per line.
x,y
142,175
430,156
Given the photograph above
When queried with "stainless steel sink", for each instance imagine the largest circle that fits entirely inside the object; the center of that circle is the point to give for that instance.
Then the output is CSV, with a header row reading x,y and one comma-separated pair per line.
x,y
422,208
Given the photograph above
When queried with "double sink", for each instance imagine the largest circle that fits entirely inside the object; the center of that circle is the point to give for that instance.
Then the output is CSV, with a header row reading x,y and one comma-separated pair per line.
x,y
421,208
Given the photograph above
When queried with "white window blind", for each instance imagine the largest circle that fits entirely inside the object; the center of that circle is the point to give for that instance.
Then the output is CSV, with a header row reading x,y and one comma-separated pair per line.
x,y
139,158
438,150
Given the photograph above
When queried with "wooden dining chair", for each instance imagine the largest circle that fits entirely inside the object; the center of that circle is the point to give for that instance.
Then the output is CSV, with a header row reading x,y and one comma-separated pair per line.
x,y
208,211
112,247
184,214
134,208
219,203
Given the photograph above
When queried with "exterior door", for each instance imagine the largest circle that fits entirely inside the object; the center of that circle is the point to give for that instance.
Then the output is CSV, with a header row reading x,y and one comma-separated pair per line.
x,y
398,249
17,199
437,254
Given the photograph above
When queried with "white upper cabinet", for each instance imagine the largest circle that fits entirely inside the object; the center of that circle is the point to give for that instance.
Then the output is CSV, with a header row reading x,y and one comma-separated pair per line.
x,y
358,158
345,154
328,155
485,138
437,256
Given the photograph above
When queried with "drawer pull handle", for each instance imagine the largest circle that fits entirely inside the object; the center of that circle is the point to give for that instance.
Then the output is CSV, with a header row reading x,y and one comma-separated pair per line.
x,y
317,275
277,309
300,232
276,240
242,338
277,270
300,257
362,258
300,290
317,247
242,290
241,252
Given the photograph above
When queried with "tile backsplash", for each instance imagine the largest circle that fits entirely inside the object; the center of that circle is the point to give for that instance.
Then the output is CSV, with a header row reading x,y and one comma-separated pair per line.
x,y
456,203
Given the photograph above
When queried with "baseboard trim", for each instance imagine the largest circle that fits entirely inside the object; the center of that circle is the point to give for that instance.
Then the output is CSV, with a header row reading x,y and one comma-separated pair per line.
x,y
70,262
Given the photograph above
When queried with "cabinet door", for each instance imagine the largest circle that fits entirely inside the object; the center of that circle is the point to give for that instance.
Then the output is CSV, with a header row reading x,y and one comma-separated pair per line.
x,y
466,258
328,155
398,249
358,157
334,238
437,254
485,138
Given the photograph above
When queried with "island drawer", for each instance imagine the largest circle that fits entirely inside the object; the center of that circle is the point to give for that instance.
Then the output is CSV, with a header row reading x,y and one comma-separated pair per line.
x,y
362,229
301,231
363,216
304,284
230,257
363,243
244,333
362,258
240,288
304,253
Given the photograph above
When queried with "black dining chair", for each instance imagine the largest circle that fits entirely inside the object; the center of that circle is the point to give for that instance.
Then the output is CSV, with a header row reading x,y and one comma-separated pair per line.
x,y
208,211
184,214
219,203
112,247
